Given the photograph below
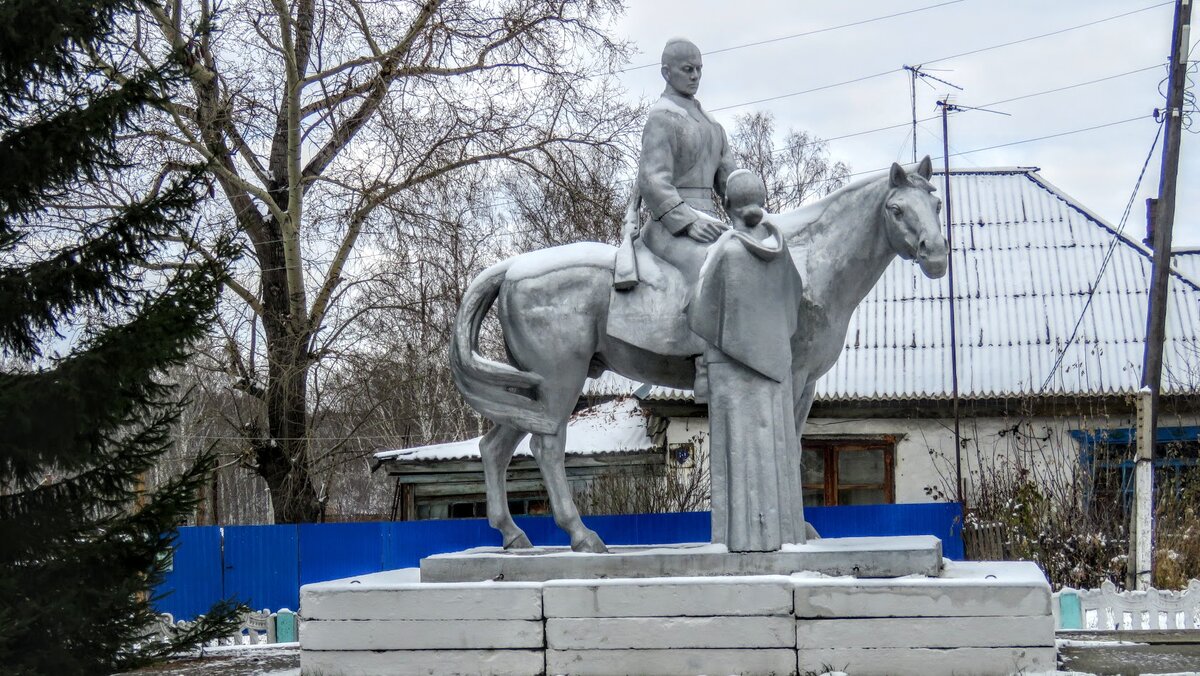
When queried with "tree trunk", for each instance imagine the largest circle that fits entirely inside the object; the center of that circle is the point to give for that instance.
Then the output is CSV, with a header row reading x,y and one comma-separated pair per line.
x,y
282,458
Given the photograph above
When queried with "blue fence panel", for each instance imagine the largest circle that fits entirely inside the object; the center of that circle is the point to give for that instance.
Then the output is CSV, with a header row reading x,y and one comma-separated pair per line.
x,y
262,566
194,582
653,529
410,541
942,519
329,551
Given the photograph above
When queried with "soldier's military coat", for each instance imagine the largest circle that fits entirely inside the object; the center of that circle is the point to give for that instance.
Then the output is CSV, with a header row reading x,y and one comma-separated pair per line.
x,y
685,157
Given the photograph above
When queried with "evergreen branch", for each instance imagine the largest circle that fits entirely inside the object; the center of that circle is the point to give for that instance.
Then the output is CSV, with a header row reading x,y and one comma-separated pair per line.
x,y
35,297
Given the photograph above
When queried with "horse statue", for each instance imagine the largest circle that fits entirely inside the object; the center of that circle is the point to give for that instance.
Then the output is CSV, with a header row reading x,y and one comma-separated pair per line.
x,y
554,304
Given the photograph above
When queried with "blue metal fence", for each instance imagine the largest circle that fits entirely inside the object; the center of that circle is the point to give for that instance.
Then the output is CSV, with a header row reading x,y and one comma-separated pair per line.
x,y
264,566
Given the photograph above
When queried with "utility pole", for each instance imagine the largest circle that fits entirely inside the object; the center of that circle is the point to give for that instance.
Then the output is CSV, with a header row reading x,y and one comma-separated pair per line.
x,y
1142,530
947,108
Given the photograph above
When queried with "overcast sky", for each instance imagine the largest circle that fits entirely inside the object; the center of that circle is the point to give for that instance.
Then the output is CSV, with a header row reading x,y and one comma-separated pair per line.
x,y
1098,167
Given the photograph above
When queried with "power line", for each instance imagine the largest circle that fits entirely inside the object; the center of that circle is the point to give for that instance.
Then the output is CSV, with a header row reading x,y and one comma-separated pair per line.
x,y
1103,264
943,58
992,103
1050,136
1052,33
804,34
1002,145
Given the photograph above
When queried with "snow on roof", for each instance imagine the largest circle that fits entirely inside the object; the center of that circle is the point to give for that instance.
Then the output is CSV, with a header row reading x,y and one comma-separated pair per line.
x,y
1025,259
1187,263
617,426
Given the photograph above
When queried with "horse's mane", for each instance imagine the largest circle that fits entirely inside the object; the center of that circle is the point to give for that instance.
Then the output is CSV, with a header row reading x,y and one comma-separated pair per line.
x,y
797,219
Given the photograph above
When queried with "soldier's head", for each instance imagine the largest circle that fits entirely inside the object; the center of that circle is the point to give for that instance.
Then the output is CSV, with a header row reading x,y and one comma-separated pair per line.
x,y
681,66
745,197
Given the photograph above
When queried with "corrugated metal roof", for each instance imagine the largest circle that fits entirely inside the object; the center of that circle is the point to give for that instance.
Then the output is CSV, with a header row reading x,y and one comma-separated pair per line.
x,y
617,426
1187,263
1025,259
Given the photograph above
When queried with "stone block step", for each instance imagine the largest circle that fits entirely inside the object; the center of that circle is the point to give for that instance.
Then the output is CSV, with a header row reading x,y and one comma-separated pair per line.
x,y
927,661
422,634
669,597
422,663
641,633
670,662
927,632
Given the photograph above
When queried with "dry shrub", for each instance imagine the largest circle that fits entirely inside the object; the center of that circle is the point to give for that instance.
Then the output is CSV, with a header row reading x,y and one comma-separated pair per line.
x,y
1078,543
653,489
1177,532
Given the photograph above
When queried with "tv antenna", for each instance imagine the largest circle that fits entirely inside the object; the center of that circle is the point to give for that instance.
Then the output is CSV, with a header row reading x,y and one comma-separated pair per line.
x,y
921,73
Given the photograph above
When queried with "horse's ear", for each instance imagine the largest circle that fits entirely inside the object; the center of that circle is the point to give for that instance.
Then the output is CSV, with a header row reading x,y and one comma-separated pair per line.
x,y
925,168
898,176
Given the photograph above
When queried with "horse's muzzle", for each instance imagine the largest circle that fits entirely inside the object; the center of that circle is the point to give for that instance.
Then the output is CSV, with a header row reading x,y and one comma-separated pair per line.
x,y
933,257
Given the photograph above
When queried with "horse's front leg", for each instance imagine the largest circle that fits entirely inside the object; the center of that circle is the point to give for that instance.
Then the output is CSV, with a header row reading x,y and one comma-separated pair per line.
x,y
549,450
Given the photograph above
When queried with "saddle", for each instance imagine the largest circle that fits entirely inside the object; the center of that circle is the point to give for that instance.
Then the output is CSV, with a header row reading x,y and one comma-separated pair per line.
x,y
653,315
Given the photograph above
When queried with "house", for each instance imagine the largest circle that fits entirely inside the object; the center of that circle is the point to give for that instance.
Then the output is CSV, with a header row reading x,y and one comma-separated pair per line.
x,y
445,481
1050,304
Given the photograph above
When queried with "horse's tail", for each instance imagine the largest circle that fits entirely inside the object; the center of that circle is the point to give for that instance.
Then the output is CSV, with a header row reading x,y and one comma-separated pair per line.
x,y
500,392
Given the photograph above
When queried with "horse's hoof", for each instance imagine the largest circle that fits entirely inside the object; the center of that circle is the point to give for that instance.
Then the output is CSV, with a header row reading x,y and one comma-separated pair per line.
x,y
810,532
519,541
590,543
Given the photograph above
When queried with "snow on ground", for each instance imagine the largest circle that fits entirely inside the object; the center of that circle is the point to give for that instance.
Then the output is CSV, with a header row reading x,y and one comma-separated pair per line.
x,y
1081,643
278,659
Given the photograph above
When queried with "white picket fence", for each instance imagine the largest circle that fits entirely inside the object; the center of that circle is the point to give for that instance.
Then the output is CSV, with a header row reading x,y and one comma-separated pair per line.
x,y
1106,609
256,627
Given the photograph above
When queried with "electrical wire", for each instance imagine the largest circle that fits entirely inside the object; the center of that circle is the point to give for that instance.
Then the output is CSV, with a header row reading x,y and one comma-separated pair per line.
x,y
804,34
943,58
1103,263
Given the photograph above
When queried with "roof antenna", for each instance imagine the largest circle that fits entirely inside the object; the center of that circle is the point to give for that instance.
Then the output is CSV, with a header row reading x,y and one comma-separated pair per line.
x,y
915,73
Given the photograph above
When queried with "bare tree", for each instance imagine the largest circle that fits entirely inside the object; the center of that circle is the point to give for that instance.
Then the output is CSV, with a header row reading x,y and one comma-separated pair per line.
x,y
586,204
795,171
317,119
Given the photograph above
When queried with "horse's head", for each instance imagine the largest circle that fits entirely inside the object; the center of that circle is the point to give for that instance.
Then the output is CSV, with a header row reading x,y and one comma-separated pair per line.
x,y
910,217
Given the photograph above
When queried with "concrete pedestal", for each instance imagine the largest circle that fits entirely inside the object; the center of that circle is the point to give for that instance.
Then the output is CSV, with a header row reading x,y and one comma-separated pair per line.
x,y
972,618
859,557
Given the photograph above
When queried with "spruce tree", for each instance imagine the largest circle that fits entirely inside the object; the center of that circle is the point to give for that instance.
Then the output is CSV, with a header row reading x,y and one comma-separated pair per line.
x,y
81,546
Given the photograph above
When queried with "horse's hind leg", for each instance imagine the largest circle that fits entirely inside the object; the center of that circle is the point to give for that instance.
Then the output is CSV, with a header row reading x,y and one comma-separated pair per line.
x,y
550,451
496,449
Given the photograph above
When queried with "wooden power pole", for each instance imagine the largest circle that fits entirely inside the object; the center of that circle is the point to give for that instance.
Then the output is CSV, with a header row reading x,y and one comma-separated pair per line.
x,y
946,107
1141,564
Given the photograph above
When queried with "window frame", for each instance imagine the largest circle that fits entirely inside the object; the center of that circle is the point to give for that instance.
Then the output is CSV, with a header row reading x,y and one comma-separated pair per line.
x,y
831,447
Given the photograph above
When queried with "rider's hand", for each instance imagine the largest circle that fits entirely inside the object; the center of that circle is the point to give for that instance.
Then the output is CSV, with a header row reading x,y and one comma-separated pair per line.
x,y
706,230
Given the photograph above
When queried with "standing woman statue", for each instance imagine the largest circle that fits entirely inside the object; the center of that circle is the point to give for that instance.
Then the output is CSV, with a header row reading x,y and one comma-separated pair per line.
x,y
746,309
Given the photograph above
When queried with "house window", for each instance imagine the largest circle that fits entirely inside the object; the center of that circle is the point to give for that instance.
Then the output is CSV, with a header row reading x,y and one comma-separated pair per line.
x,y
1110,456
475,506
849,471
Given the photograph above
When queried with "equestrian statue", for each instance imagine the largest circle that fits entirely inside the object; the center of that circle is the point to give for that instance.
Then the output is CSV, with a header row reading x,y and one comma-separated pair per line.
x,y
748,313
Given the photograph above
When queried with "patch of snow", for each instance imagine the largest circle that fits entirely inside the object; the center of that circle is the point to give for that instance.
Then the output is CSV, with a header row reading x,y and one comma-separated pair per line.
x,y
542,261
888,543
1085,643
241,647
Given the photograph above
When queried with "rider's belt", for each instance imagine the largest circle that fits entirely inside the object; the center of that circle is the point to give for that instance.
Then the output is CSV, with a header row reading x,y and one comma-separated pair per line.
x,y
692,193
